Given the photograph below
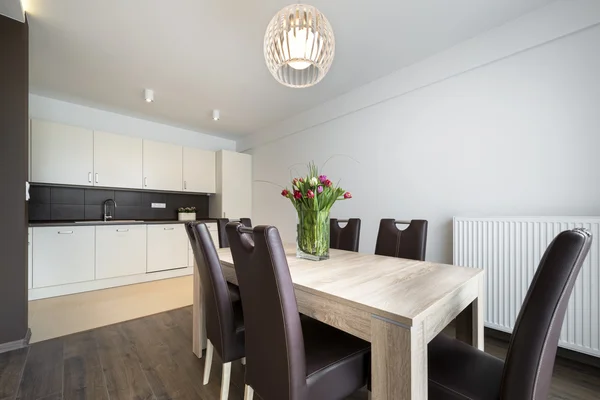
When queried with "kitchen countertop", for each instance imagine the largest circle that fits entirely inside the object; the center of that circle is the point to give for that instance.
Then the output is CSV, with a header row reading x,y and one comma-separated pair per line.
x,y
116,222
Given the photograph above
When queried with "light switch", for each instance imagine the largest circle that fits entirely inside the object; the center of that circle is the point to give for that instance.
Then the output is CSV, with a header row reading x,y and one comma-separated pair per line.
x,y
159,205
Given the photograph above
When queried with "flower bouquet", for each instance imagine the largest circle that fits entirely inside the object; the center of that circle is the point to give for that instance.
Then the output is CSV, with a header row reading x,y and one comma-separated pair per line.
x,y
313,196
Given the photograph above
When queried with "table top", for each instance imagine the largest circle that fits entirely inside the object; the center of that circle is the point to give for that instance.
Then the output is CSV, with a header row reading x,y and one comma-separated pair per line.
x,y
395,288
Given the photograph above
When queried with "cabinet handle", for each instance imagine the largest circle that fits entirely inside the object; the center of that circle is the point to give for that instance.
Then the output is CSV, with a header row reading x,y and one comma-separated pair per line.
x,y
65,232
145,181
89,177
122,230
184,185
96,177
168,229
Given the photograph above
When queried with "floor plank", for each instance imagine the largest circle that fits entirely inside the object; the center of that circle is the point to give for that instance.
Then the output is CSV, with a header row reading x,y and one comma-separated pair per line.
x,y
83,375
43,373
151,359
11,370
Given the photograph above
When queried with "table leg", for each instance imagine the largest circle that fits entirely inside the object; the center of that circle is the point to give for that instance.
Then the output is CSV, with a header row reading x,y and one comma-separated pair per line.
x,y
469,323
199,323
398,360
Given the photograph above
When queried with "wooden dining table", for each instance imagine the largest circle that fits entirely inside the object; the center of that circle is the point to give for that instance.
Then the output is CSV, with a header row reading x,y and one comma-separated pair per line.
x,y
397,305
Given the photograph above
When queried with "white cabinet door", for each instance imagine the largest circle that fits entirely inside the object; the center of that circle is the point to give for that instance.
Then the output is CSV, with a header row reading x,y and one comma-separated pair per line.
x,y
120,250
167,247
62,255
163,166
29,259
61,154
236,185
117,161
198,170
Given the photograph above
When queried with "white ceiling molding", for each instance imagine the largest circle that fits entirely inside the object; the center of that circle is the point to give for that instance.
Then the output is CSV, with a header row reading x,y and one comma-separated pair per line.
x,y
13,9
546,24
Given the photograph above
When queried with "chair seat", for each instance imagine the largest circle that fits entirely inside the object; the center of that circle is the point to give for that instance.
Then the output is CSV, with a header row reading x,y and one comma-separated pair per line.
x,y
336,362
234,292
459,371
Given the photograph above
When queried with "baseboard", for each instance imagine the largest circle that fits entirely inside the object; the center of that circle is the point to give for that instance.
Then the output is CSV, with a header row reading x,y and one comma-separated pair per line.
x,y
562,352
17,344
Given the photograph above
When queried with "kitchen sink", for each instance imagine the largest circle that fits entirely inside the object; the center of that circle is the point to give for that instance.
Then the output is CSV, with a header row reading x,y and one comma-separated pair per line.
x,y
115,221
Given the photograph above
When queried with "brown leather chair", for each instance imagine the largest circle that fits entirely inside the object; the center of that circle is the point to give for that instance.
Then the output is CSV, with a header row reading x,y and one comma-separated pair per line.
x,y
224,318
288,356
408,243
221,223
459,371
234,290
346,238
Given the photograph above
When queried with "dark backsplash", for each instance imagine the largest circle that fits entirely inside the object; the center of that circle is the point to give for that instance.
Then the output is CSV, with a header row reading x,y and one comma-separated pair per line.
x,y
63,203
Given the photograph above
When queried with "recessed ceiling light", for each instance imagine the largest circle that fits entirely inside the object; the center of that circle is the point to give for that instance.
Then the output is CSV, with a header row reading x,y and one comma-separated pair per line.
x,y
216,115
149,95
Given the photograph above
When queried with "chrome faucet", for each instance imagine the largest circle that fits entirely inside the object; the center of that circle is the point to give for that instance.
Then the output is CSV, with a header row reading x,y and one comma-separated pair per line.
x,y
108,216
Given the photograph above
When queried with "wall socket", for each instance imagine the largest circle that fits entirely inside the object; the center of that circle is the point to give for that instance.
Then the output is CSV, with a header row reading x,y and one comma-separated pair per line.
x,y
159,205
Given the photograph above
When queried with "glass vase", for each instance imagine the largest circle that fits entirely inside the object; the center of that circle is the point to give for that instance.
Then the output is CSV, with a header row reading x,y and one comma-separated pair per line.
x,y
312,239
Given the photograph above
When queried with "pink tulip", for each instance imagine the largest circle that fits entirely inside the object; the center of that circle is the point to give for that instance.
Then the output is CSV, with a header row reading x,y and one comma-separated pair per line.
x,y
328,183
310,194
320,189
322,178
347,195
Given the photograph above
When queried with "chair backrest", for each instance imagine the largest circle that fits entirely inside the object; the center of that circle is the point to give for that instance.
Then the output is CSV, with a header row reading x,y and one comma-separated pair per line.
x,y
223,241
408,243
532,350
276,364
346,238
220,320
247,222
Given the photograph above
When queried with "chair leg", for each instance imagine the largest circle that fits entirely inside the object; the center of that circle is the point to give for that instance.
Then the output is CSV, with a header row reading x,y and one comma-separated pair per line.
x,y
248,393
225,381
244,361
208,361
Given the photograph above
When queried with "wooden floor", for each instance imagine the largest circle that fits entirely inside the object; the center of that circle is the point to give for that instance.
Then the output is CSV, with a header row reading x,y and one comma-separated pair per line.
x,y
151,358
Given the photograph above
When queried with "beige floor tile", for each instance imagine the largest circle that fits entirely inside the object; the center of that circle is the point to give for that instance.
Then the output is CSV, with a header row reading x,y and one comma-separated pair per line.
x,y
59,316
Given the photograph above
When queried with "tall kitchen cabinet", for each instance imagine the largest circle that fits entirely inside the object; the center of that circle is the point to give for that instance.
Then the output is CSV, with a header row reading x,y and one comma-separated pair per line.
x,y
61,154
233,196
163,166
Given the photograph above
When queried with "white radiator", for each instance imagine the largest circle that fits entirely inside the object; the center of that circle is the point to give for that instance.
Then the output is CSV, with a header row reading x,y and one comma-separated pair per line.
x,y
509,250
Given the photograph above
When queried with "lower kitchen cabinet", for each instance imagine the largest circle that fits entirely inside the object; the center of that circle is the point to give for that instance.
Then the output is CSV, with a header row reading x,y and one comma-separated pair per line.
x,y
120,250
167,247
62,255
29,260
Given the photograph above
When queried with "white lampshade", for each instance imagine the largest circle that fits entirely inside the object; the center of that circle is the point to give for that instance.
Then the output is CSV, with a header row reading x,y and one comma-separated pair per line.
x,y
299,46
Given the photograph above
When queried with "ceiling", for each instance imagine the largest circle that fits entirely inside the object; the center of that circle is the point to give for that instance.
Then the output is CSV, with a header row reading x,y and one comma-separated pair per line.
x,y
199,55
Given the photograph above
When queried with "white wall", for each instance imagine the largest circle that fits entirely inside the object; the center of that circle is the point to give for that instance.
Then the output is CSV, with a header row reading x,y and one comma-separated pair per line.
x,y
517,134
92,118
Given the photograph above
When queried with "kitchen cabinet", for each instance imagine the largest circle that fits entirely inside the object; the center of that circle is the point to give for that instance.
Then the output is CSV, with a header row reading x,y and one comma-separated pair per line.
x,y
29,260
166,247
117,161
198,170
61,154
62,255
120,250
233,198
163,166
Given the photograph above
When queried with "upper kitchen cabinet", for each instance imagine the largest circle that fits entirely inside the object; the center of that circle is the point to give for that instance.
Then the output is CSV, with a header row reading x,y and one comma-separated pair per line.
x,y
163,166
61,154
117,161
233,198
198,170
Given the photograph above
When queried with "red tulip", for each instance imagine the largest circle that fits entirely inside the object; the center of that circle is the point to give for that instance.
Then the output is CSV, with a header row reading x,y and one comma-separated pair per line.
x,y
297,194
301,180
347,195
285,193
310,194
328,183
